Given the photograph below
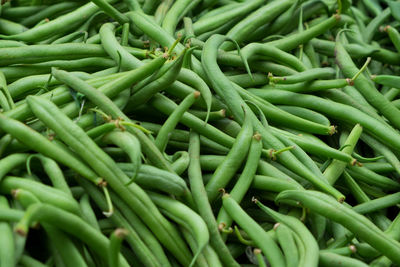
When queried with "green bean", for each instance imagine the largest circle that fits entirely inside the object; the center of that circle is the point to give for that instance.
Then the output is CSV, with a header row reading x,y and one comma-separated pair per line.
x,y
176,13
111,11
379,167
287,243
358,224
181,162
388,80
392,94
230,59
350,97
10,43
263,15
316,148
374,24
306,114
260,258
366,88
152,255
244,81
210,22
5,141
27,84
19,12
191,78
345,251
48,12
152,177
274,184
31,262
54,173
245,180
195,223
382,149
142,95
276,115
381,262
40,53
60,24
68,252
161,11
377,204
369,177
223,8
9,27
116,239
305,76
255,231
330,259
394,36
7,252
133,5
272,52
203,205
336,168
130,144
310,258
173,119
102,129
39,143
87,211
43,192
115,50
224,173
276,25
100,98
212,116
167,106
150,5
11,162
290,42
183,136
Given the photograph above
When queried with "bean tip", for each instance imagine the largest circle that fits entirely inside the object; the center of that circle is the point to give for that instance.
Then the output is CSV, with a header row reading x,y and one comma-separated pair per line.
x,y
332,130
21,231
257,251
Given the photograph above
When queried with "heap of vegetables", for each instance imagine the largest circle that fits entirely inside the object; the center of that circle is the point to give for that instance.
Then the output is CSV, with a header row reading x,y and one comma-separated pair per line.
x,y
199,133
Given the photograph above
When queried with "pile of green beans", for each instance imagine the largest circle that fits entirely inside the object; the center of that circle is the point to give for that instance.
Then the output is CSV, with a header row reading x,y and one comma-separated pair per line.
x,y
204,133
